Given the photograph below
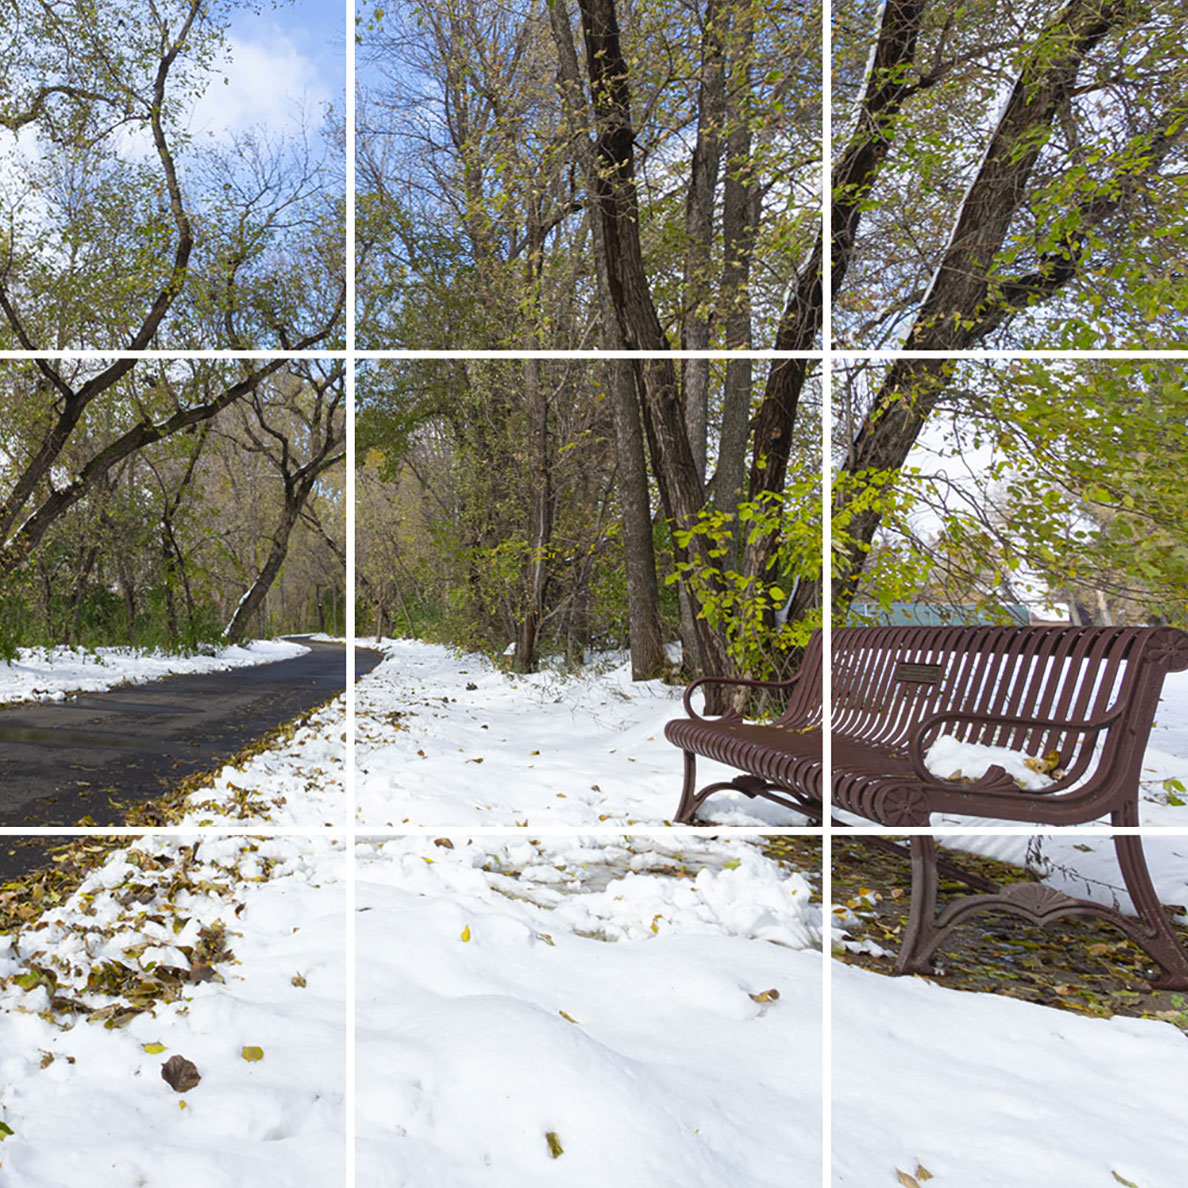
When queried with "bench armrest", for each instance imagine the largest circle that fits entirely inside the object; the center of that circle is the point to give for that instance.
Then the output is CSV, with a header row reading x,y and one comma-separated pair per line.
x,y
712,680
916,746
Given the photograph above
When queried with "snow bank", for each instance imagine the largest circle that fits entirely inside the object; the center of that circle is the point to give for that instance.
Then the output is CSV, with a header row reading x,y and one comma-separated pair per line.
x,y
990,1092
48,674
299,782
626,1014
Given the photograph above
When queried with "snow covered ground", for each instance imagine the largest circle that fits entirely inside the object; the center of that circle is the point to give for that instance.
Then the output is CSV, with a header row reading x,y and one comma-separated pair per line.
x,y
544,995
297,783
48,674
447,739
983,1091
229,944
566,1011
235,950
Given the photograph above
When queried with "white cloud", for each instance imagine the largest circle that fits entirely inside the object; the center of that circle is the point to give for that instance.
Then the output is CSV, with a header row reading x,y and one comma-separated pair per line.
x,y
268,83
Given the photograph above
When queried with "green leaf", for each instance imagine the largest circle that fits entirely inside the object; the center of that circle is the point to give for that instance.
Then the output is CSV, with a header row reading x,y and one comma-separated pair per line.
x,y
6,1130
556,1150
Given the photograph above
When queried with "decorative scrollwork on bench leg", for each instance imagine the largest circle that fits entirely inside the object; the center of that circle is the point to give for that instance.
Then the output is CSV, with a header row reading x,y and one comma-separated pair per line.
x,y
749,785
1040,904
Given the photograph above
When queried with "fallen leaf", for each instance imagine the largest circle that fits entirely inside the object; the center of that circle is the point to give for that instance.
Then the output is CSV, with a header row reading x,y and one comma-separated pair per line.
x,y
154,1048
298,980
771,995
466,933
180,1074
922,1173
252,1054
906,1180
556,1150
567,1018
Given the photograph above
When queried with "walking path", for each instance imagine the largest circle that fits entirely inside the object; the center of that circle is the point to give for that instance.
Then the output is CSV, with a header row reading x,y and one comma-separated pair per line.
x,y
65,760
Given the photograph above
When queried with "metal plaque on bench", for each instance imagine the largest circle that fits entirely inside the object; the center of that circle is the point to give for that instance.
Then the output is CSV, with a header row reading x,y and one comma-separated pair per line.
x,y
919,674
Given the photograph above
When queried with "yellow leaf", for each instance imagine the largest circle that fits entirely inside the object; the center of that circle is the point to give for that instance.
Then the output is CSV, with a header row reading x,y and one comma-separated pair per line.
x,y
906,1180
251,1053
181,1105
153,1048
922,1173
466,933
568,1018
555,1148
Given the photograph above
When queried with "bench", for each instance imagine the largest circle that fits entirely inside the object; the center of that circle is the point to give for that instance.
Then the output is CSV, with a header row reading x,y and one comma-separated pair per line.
x,y
1081,700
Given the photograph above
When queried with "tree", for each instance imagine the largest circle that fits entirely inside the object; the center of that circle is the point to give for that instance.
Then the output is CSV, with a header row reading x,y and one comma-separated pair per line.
x,y
972,210
123,232
299,427
453,204
1012,499
120,520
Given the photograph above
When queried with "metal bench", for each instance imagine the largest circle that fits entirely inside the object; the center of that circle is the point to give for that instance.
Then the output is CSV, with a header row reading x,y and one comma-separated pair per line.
x,y
1081,698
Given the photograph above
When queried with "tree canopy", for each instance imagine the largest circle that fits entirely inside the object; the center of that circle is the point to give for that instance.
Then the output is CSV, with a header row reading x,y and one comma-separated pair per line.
x,y
124,229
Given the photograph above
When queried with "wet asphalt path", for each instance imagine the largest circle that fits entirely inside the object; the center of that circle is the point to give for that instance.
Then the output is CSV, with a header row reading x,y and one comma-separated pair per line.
x,y
61,761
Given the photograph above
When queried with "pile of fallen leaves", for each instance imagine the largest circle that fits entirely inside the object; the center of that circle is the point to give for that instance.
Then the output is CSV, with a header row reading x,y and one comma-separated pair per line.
x,y
1085,965
107,933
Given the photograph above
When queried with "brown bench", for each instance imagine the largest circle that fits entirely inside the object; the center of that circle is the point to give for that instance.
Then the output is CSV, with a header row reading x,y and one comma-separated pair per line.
x,y
1081,698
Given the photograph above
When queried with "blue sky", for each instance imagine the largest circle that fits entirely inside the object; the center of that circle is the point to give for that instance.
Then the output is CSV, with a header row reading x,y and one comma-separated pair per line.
x,y
285,56
317,28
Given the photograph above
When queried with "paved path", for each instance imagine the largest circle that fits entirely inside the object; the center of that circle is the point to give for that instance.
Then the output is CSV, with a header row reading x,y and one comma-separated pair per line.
x,y
60,761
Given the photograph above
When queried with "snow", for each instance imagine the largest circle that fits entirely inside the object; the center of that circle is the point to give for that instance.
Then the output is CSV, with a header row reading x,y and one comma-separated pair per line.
x,y
297,784
445,738
275,1120
281,904
518,989
989,1092
49,674
531,961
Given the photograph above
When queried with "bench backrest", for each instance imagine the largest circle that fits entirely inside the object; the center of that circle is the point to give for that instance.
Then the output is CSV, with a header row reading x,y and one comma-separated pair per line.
x,y
804,704
887,680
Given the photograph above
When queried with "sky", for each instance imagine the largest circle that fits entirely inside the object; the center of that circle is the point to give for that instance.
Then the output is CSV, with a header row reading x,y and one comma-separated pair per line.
x,y
285,55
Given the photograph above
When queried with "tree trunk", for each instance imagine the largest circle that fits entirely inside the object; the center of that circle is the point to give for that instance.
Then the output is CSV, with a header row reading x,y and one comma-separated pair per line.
x,y
682,492
740,222
540,480
959,309
253,600
699,230
643,602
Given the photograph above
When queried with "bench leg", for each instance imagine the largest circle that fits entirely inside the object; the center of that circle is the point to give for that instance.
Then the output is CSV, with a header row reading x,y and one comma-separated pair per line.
x,y
1040,904
1152,931
921,937
749,785
687,809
